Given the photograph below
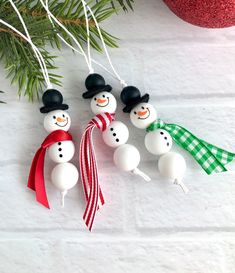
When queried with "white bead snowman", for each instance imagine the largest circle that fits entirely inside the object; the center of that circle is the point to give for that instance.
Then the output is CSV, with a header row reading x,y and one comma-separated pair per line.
x,y
64,175
126,156
171,165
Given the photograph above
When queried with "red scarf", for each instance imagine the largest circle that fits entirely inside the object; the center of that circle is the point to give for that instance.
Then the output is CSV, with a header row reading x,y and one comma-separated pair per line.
x,y
36,176
88,167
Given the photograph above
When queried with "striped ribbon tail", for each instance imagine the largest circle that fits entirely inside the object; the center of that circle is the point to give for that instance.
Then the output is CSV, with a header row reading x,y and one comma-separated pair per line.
x,y
211,158
89,169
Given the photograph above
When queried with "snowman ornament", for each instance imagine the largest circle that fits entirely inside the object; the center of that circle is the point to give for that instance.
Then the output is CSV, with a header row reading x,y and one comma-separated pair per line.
x,y
59,146
171,165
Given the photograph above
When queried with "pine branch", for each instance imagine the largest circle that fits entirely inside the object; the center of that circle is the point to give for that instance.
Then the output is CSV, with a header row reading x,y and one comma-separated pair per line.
x,y
20,63
125,4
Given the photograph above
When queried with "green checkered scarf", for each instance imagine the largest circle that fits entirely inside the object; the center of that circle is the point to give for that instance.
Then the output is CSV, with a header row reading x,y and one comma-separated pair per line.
x,y
211,158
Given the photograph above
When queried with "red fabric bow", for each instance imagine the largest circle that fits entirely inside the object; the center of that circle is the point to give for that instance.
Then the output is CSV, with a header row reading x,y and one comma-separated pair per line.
x,y
36,176
88,167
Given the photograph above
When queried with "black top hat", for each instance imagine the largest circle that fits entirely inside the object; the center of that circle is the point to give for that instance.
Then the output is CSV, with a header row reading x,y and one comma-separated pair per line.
x,y
52,100
95,84
131,96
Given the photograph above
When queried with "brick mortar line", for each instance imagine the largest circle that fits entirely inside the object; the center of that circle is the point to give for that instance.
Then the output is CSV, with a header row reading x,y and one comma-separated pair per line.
x,y
120,239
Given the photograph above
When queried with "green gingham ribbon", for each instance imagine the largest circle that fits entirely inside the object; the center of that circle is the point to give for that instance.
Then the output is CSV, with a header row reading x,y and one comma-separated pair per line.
x,y
211,158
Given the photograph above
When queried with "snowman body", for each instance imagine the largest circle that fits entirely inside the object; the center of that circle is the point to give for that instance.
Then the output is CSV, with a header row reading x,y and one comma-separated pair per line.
x,y
62,151
159,142
64,175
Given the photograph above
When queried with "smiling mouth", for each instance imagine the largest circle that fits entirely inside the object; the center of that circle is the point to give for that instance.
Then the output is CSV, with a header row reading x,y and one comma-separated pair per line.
x,y
103,105
147,116
62,125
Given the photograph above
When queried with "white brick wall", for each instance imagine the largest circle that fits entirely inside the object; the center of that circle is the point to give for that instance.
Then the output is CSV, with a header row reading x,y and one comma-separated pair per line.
x,y
144,227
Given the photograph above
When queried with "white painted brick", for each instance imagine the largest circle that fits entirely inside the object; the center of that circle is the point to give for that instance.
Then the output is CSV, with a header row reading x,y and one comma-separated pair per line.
x,y
24,256
152,227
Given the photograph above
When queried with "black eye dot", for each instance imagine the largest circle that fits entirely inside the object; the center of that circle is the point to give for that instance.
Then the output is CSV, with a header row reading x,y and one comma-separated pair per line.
x,y
94,98
161,133
114,134
168,144
60,149
59,143
135,113
117,140
142,107
63,116
165,138
111,129
103,96
61,155
54,117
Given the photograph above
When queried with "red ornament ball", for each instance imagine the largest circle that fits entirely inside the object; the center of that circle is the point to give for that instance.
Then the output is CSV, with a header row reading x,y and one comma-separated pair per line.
x,y
205,13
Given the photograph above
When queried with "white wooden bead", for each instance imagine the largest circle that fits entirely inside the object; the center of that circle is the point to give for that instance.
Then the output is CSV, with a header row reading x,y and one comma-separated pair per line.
x,y
61,151
103,102
172,165
126,157
64,176
158,142
116,134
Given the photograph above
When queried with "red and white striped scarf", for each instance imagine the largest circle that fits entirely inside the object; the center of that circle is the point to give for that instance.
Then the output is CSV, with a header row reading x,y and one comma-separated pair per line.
x,y
88,167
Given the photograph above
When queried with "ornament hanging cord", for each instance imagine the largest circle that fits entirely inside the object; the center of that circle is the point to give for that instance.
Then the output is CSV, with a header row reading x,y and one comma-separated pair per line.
x,y
91,60
123,83
88,58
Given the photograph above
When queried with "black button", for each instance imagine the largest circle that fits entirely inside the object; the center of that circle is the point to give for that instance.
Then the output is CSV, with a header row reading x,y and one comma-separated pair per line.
x,y
165,138
168,144
161,133
61,155
117,139
114,134
60,149
111,129
59,143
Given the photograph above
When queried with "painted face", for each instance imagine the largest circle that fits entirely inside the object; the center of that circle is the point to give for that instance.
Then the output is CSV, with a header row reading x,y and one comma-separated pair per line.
x,y
57,120
103,102
142,115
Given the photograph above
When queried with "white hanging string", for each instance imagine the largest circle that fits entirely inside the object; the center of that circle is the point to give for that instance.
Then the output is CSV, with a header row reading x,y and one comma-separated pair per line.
x,y
35,49
123,83
78,51
88,34
137,171
68,32
88,58
39,56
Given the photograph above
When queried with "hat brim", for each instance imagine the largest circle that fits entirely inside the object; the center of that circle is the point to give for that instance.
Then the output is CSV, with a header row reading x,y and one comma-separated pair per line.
x,y
129,107
92,92
46,109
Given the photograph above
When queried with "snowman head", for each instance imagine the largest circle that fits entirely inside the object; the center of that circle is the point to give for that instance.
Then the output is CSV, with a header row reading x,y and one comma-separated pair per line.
x,y
142,115
57,120
103,102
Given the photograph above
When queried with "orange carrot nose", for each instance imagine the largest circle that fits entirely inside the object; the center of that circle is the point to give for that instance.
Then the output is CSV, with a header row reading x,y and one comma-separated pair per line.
x,y
60,119
101,101
142,113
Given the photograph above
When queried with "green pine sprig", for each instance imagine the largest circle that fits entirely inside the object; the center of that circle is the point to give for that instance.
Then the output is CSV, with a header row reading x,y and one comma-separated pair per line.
x,y
21,66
